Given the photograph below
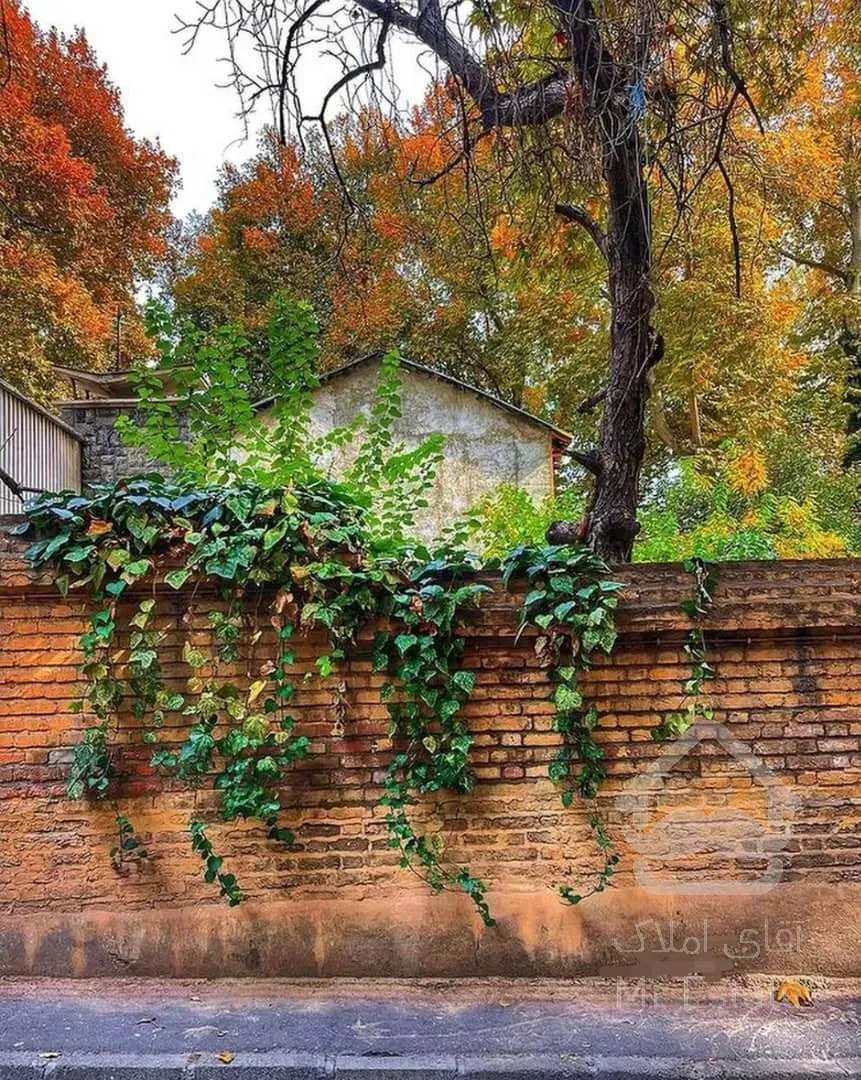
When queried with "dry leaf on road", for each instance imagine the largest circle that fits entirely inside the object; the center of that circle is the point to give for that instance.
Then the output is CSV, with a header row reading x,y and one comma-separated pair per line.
x,y
795,992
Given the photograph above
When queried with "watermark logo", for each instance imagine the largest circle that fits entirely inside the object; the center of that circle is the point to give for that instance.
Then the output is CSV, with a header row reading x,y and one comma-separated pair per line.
x,y
723,834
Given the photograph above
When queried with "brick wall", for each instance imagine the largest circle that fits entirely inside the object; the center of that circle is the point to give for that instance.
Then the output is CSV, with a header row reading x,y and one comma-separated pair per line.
x,y
786,640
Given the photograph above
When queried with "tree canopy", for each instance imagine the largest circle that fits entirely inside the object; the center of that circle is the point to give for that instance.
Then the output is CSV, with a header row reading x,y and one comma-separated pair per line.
x,y
83,208
615,117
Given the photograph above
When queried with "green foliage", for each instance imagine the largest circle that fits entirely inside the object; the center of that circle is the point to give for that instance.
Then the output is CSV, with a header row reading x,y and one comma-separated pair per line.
x,y
129,847
431,691
572,604
696,607
92,769
265,528
749,505
201,417
304,552
508,518
308,547
392,481
228,886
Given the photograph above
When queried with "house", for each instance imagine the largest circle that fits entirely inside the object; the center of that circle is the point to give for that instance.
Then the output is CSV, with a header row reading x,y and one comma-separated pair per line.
x,y
488,441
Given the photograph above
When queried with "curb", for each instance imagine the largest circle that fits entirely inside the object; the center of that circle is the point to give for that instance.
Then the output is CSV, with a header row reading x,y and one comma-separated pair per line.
x,y
278,1065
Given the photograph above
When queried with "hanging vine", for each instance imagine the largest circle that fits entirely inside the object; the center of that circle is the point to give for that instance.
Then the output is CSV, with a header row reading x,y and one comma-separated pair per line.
x,y
571,602
301,554
307,547
696,607
265,543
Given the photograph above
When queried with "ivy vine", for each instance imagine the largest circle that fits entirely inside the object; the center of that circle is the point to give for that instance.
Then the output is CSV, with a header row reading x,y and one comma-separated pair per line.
x,y
285,562
572,603
696,607
307,547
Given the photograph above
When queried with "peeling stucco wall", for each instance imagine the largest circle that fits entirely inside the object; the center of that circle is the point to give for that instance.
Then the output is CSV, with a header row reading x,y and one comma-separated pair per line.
x,y
485,445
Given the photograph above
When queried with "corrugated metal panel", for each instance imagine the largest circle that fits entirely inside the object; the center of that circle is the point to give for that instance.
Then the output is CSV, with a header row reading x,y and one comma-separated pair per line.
x,y
36,449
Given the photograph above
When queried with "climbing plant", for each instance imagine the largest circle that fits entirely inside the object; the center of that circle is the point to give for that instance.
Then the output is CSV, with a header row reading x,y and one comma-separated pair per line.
x,y
696,607
306,546
571,602
255,539
268,564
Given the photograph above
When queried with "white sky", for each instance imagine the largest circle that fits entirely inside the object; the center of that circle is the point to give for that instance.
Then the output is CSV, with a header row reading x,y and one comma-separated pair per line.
x,y
166,96
171,97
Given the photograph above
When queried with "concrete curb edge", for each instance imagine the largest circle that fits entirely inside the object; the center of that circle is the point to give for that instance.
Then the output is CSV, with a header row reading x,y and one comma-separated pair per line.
x,y
279,1065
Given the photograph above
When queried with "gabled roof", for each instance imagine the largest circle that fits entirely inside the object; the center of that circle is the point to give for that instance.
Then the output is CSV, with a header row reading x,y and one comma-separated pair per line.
x,y
410,365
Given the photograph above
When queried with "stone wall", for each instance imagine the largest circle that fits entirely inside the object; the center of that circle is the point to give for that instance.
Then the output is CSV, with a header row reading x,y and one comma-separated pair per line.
x,y
105,457
786,642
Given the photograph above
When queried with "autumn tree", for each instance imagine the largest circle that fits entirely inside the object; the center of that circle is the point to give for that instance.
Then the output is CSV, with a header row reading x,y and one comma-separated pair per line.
x,y
83,207
615,96
811,162
469,290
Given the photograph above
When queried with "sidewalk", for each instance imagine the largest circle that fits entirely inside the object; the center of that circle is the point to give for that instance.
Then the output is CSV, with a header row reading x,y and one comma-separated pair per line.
x,y
494,1029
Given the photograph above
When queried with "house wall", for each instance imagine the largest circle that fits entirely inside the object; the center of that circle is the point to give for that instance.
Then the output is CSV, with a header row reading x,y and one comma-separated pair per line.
x,y
785,639
485,445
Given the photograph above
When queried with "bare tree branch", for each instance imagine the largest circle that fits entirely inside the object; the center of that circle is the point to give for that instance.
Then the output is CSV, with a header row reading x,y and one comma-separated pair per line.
x,y
12,484
815,264
725,37
733,224
585,219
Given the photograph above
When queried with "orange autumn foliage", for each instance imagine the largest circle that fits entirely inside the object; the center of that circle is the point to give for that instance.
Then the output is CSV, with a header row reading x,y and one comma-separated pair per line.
x,y
83,207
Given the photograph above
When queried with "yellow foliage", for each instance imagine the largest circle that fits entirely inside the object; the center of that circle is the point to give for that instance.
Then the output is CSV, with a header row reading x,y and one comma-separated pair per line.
x,y
749,473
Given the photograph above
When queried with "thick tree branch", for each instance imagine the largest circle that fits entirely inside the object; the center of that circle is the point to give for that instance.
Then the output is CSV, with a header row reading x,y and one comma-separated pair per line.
x,y
591,460
528,105
597,72
591,403
585,219
815,264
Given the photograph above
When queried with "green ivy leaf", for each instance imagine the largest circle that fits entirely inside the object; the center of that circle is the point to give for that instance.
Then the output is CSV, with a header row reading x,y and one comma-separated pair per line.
x,y
177,578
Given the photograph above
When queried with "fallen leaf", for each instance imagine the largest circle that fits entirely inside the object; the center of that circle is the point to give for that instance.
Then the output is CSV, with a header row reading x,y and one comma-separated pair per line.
x,y
796,992
225,1056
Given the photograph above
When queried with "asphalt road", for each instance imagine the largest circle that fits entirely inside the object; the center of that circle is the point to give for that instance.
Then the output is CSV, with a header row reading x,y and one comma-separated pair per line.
x,y
128,1029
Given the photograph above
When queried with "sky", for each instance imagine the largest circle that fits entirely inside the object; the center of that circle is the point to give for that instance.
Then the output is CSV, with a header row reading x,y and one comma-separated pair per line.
x,y
165,95
170,97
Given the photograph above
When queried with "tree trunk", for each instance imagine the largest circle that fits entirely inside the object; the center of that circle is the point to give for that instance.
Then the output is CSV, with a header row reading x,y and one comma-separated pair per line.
x,y
612,517
850,339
